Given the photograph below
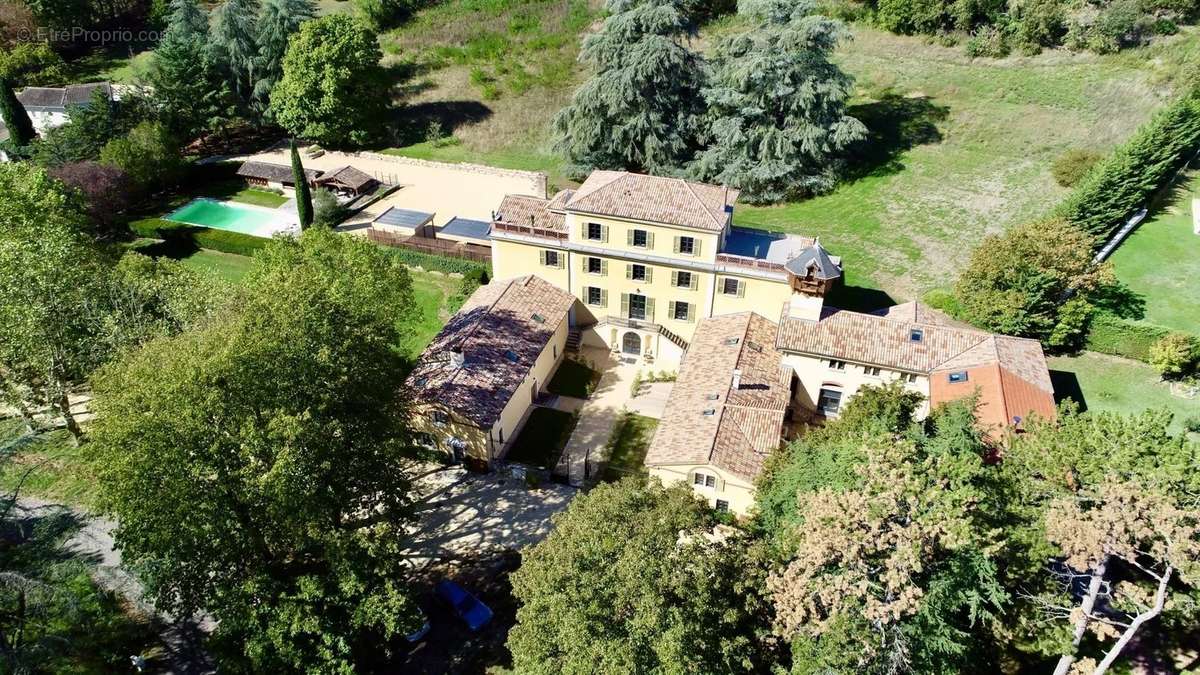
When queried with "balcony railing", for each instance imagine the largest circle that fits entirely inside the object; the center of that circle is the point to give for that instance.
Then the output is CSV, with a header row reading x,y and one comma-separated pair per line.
x,y
746,261
542,232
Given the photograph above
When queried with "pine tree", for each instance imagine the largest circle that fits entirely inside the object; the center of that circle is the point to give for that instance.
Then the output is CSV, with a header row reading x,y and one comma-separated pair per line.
x,y
234,37
640,109
278,21
186,80
777,105
20,129
304,204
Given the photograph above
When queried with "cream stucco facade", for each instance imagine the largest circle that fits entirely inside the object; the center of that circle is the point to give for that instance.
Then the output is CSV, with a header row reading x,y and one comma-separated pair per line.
x,y
735,493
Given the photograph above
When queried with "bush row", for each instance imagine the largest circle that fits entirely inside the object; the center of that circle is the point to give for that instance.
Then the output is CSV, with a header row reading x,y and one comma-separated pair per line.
x,y
1111,334
439,263
1125,180
202,237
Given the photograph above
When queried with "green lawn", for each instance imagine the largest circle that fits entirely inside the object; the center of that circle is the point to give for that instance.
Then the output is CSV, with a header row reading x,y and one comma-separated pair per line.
x,y
1117,385
122,64
628,446
46,465
271,200
542,439
573,379
435,304
1160,262
227,266
960,147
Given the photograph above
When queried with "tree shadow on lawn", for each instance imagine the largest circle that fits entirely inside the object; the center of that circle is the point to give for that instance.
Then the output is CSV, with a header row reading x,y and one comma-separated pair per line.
x,y
1122,301
859,298
895,123
411,124
1066,386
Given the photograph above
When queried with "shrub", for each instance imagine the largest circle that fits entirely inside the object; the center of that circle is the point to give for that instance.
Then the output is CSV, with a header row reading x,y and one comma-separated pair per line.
x,y
988,41
439,263
1127,178
190,236
1174,354
148,154
1071,166
327,211
1109,334
1192,424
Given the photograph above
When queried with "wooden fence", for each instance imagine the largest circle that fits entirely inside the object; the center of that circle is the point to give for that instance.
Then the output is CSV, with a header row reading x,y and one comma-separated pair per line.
x,y
451,249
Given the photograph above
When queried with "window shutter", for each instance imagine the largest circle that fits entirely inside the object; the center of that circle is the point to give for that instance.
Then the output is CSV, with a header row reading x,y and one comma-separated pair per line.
x,y
741,286
674,278
649,239
696,247
604,233
693,281
629,237
650,309
562,260
649,274
583,263
628,271
625,305
541,257
677,244
671,309
603,298
603,267
583,228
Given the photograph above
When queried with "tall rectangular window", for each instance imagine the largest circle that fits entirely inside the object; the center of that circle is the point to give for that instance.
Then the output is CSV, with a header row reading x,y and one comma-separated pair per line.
x,y
683,279
682,311
729,286
593,296
595,266
637,272
687,245
640,239
637,306
550,258
595,231
829,401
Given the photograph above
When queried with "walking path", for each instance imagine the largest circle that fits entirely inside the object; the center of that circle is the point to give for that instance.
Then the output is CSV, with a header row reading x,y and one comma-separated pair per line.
x,y
600,413
181,639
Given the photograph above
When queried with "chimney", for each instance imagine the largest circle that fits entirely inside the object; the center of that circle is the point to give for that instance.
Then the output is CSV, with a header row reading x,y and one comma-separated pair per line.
x,y
737,379
805,306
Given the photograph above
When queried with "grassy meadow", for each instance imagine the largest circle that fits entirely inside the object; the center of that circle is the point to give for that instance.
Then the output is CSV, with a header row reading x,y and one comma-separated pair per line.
x,y
1112,384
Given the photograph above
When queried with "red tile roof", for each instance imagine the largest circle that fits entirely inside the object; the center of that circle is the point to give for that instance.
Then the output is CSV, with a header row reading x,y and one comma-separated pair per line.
x,y
745,422
655,199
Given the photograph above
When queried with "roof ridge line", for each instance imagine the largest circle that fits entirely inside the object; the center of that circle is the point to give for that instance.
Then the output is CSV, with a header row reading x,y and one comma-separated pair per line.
x,y
701,201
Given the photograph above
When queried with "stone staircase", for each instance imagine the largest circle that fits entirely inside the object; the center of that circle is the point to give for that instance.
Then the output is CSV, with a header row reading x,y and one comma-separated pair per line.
x,y
679,342
574,337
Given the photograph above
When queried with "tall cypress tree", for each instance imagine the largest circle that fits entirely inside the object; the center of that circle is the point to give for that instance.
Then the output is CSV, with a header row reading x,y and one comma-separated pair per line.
x,y
20,129
304,204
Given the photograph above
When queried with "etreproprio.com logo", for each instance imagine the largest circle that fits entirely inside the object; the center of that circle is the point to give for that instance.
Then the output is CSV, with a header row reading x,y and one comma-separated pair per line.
x,y
79,34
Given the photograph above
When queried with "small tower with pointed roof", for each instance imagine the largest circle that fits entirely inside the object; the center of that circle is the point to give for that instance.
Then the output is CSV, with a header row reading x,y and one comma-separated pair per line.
x,y
811,273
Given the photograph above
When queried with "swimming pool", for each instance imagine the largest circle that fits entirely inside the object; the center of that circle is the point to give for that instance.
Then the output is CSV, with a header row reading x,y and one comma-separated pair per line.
x,y
252,220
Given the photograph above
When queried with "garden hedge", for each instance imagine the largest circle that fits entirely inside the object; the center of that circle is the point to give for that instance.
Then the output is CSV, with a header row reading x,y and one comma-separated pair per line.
x,y
439,263
202,237
1126,180
1111,334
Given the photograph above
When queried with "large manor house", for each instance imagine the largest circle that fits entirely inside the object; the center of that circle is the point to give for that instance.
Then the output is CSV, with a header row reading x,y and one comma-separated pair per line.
x,y
653,270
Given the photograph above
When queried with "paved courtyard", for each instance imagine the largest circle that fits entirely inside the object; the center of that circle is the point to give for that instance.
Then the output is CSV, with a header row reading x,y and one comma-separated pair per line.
x,y
465,515
446,190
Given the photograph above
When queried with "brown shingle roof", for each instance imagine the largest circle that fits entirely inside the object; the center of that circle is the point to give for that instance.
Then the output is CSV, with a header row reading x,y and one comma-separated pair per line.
x,y
746,422
349,177
656,199
499,338
530,212
277,173
917,312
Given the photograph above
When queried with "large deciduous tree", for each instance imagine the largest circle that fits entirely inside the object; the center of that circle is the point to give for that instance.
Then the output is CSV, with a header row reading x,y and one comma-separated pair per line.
x,y
1109,501
628,583
53,287
640,110
278,21
1037,280
107,193
148,154
890,569
777,105
333,89
257,464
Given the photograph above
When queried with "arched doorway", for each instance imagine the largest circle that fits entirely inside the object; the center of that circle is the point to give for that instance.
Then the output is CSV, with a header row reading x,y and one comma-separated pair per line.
x,y
631,343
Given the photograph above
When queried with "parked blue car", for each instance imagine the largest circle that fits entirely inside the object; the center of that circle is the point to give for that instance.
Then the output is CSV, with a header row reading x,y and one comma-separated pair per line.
x,y
466,606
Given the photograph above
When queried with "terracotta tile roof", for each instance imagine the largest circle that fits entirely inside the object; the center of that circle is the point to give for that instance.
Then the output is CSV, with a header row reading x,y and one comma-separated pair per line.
x,y
1010,373
745,422
278,173
499,338
530,211
918,312
349,177
656,199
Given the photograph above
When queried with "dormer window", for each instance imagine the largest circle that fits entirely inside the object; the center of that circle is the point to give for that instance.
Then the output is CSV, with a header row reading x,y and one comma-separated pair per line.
x,y
916,335
957,376
714,397
538,318
732,341
710,412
